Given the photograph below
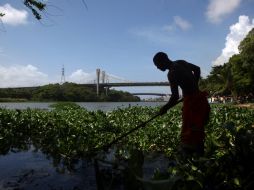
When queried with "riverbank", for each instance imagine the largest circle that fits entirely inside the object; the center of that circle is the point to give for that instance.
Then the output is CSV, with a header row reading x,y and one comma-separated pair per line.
x,y
13,100
246,105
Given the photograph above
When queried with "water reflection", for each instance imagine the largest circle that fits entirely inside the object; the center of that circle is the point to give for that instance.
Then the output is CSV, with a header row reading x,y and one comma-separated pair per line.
x,y
31,169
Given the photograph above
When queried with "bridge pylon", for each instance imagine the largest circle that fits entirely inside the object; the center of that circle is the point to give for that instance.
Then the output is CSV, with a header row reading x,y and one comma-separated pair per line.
x,y
98,81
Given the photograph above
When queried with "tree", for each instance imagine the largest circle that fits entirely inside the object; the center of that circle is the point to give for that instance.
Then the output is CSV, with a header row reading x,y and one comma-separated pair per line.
x,y
35,6
241,79
218,81
246,49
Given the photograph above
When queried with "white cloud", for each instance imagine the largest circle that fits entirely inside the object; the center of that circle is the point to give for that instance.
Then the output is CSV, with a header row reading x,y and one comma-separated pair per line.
x,y
238,31
80,76
21,76
13,16
162,34
156,35
181,23
217,9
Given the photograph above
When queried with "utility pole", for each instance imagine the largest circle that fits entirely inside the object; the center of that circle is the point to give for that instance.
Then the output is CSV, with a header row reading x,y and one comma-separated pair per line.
x,y
62,76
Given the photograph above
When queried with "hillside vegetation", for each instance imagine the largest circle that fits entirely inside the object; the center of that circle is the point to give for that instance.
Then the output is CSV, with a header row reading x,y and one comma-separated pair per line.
x,y
65,92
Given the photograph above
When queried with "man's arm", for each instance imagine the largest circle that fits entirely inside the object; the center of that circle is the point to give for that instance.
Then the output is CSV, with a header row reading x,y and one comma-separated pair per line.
x,y
196,71
174,96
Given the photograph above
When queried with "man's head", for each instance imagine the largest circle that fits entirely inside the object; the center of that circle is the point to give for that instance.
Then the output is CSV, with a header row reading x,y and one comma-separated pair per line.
x,y
161,61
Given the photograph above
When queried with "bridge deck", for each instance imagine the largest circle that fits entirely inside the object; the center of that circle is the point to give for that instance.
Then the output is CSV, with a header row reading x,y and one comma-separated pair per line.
x,y
151,93
129,84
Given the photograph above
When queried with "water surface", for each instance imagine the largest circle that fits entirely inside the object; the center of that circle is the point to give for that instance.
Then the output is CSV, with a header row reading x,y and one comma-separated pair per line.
x,y
91,106
33,170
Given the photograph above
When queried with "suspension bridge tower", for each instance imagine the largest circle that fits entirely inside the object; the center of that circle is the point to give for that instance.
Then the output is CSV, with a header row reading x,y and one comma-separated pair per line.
x,y
101,77
98,81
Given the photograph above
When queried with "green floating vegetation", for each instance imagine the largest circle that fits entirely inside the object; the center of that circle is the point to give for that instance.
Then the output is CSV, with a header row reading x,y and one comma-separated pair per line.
x,y
65,105
69,133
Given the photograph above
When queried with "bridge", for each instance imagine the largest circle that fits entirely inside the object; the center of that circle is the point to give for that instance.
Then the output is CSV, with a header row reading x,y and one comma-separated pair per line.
x,y
106,86
102,82
124,84
148,93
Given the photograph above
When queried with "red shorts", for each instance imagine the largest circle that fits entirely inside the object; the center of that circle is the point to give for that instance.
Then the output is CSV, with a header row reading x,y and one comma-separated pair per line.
x,y
195,115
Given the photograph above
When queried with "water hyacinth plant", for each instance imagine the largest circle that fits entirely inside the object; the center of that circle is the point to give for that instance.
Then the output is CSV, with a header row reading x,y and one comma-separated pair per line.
x,y
69,133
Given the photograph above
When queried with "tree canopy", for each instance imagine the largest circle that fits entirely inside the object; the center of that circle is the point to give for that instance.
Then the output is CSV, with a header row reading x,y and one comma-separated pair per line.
x,y
35,6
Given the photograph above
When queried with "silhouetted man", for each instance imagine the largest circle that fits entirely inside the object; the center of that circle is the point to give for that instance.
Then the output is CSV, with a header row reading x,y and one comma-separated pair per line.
x,y
195,112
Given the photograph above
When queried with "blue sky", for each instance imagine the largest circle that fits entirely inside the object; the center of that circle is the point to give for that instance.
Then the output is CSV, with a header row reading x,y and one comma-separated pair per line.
x,y
117,36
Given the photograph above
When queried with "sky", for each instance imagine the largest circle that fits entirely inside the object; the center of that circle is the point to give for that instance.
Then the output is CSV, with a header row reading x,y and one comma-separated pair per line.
x,y
119,37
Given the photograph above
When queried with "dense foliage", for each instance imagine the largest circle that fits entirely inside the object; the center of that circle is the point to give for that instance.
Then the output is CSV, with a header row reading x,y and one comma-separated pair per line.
x,y
65,92
69,133
236,77
35,6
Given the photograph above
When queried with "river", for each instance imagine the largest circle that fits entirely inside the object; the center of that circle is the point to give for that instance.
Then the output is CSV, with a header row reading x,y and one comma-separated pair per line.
x,y
91,106
33,170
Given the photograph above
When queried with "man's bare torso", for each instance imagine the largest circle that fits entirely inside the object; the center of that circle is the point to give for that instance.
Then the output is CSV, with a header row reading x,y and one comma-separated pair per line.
x,y
185,75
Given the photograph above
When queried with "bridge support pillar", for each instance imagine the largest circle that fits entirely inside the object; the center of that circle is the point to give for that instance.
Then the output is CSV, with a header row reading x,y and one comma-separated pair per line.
x,y
106,90
98,82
